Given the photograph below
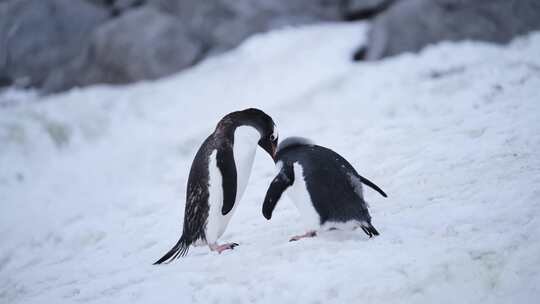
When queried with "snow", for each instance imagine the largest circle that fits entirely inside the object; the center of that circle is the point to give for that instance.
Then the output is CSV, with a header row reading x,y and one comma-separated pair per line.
x,y
92,181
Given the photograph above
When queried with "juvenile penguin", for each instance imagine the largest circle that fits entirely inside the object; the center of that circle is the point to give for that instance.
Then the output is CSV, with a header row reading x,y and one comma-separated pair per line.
x,y
325,188
218,177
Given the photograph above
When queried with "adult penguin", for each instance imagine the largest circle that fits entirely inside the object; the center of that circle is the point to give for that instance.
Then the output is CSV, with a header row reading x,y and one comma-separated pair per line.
x,y
218,177
325,188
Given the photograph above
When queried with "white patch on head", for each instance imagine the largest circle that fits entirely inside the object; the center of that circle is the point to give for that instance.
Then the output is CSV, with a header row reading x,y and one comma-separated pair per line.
x,y
275,134
300,196
293,141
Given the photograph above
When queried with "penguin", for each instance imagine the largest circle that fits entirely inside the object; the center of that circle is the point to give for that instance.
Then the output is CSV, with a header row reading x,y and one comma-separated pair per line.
x,y
218,177
325,188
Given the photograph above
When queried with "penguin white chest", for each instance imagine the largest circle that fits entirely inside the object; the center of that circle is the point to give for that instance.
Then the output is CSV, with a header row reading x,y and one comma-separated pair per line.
x,y
299,194
244,148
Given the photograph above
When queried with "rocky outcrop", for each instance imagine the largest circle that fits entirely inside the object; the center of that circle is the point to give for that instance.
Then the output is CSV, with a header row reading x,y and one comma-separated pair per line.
x,y
364,9
410,25
117,7
59,44
140,44
38,37
223,24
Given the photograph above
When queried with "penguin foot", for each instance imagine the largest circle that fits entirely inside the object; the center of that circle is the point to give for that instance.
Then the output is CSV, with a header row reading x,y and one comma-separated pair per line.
x,y
221,248
308,234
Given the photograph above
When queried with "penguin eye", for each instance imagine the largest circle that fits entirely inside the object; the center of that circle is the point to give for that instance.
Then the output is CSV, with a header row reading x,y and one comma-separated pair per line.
x,y
274,135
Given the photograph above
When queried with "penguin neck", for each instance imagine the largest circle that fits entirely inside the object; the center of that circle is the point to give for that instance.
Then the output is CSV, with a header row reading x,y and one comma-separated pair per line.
x,y
247,128
229,124
243,134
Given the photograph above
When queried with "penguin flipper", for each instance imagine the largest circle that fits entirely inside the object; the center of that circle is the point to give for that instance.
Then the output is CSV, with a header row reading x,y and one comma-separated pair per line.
x,y
281,182
227,167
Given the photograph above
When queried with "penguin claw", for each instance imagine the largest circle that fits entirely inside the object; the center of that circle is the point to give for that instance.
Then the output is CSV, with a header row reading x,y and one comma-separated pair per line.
x,y
367,232
221,248
296,238
308,234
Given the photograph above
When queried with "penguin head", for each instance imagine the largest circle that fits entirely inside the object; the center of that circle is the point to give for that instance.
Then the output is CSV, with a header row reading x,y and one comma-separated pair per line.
x,y
264,124
269,142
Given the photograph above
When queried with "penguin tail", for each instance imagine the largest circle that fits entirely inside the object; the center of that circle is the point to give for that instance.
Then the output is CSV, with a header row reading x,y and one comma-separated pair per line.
x,y
372,185
179,250
369,229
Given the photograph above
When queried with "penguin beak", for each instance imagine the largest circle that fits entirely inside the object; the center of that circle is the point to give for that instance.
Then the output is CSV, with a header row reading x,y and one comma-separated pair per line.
x,y
270,147
274,145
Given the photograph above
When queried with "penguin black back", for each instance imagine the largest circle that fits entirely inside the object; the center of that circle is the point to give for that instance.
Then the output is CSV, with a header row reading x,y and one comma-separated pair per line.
x,y
195,210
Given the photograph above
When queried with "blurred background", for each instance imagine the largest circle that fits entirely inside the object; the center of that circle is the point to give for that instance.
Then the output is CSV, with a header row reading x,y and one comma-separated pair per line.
x,y
55,45
104,103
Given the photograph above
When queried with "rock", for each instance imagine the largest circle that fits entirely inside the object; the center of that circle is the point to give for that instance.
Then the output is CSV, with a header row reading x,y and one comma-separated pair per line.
x,y
5,81
67,43
364,9
223,24
180,33
140,44
409,26
145,44
37,37
117,7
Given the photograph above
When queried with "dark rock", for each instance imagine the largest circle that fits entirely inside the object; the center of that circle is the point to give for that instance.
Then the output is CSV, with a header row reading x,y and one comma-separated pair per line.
x,y
360,54
364,9
223,24
36,37
409,26
176,34
65,43
143,44
140,44
5,81
117,7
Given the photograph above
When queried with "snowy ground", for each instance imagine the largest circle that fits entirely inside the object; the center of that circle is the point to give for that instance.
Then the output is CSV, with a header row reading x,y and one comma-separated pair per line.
x,y
92,181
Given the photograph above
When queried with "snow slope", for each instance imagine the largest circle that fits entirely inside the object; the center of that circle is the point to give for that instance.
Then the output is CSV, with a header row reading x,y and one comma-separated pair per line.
x,y
92,181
